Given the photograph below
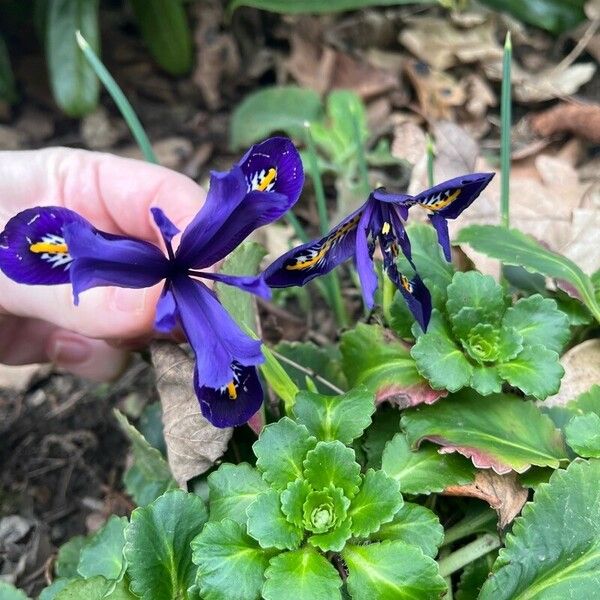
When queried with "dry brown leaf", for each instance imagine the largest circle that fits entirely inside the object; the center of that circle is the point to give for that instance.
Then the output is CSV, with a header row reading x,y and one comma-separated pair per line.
x,y
193,444
170,152
479,94
442,44
99,132
438,93
582,120
323,69
543,85
582,370
19,378
409,142
503,493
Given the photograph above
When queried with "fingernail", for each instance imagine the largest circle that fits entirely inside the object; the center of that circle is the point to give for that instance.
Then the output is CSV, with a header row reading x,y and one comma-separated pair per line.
x,y
64,351
129,301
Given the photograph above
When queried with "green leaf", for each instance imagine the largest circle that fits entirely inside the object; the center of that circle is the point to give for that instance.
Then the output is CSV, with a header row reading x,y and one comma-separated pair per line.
x,y
486,380
157,545
583,435
392,571
323,361
515,248
342,417
272,109
334,539
482,343
416,525
292,501
165,30
478,291
474,576
499,431
74,83
149,476
441,361
306,572
466,319
103,554
232,488
383,365
377,501
536,371
510,343
96,588
315,6
244,260
277,378
324,510
588,402
332,464
554,548
268,525
556,16
540,322
424,470
10,592
68,556
280,451
51,592
231,565
386,423
8,90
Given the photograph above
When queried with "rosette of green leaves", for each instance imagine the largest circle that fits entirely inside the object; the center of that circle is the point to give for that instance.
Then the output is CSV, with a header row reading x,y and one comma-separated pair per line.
x,y
476,339
306,509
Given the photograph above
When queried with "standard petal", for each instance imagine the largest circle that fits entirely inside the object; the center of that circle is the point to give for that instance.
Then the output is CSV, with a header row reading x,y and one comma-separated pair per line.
x,y
255,210
33,248
440,225
364,257
216,339
451,197
225,193
166,312
303,263
167,228
253,284
101,259
274,166
417,297
232,404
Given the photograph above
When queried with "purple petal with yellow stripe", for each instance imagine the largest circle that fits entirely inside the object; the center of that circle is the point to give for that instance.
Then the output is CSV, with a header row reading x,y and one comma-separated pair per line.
x,y
310,260
234,403
33,248
451,197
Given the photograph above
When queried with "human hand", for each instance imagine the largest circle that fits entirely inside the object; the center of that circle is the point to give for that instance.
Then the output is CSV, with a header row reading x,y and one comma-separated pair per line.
x,y
41,323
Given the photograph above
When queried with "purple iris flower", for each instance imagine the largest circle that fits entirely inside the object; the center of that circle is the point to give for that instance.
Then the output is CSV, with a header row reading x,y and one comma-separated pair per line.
x,y
381,219
53,245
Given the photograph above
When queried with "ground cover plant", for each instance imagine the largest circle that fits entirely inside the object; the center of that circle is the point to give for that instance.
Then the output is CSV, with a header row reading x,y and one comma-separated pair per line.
x,y
426,436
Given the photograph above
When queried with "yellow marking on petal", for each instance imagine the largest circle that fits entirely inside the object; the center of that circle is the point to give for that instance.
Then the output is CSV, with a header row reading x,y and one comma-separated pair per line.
x,y
386,228
267,179
445,201
232,390
300,266
48,248
406,284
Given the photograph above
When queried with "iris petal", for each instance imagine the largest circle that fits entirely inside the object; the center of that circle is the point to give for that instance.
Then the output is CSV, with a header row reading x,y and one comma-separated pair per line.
x,y
216,339
167,228
364,260
166,312
103,259
253,284
232,404
32,246
310,260
279,154
440,225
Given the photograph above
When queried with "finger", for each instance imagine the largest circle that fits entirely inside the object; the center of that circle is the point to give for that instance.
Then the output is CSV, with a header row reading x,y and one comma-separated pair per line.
x,y
114,193
26,341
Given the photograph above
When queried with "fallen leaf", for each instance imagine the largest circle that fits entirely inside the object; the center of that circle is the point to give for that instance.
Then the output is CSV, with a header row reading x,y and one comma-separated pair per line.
x,y
503,493
543,85
19,378
582,370
98,131
321,68
582,120
193,444
479,96
408,396
442,44
170,152
438,93
409,142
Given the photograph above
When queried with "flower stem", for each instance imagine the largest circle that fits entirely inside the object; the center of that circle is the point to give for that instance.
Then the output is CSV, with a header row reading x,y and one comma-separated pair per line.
x,y
505,121
332,281
388,292
468,525
361,158
467,554
134,124
430,150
